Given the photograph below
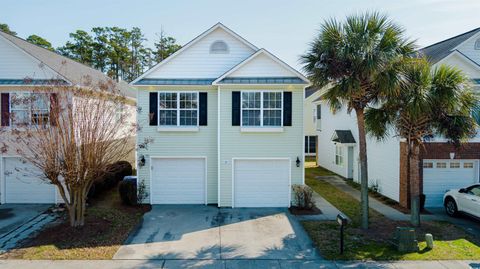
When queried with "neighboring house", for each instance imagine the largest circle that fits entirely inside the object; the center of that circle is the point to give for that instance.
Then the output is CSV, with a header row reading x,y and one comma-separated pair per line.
x,y
312,119
225,124
22,67
444,167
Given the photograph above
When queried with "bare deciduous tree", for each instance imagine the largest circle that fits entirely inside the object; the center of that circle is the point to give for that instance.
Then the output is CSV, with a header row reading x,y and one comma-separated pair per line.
x,y
70,134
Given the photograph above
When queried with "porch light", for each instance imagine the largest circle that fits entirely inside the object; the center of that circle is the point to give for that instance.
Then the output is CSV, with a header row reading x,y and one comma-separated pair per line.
x,y
452,155
298,162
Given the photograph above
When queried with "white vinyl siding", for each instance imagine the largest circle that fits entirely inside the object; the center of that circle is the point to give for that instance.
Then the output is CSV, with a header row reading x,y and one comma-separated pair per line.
x,y
262,66
197,61
17,64
181,144
237,144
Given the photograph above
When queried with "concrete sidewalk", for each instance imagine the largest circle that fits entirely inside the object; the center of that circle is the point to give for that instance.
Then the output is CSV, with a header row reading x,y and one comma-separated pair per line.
x,y
329,212
234,264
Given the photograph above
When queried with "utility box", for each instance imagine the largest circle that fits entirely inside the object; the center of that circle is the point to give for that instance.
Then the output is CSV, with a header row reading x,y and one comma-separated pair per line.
x,y
406,239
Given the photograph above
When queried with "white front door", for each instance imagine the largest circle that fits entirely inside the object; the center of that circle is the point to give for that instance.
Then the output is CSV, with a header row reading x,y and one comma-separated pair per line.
x,y
24,183
261,182
178,180
439,176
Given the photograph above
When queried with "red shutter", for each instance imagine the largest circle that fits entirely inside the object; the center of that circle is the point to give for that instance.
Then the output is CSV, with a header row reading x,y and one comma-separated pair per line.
x,y
5,109
53,109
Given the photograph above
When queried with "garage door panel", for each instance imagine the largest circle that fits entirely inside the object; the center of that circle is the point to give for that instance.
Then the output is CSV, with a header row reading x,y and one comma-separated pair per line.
x,y
261,183
178,180
24,183
440,177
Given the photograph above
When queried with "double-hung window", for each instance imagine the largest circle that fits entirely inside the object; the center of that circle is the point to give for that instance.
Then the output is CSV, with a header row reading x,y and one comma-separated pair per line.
x,y
29,108
262,109
339,155
178,109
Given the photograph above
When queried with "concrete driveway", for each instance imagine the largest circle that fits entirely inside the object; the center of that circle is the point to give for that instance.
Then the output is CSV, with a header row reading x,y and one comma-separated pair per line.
x,y
206,232
18,221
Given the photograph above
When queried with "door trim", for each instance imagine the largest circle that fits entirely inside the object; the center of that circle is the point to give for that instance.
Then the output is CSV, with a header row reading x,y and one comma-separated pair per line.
x,y
180,157
264,159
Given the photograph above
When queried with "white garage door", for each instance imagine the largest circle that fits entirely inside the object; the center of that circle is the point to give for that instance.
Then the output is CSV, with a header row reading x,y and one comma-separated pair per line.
x,y
261,183
24,184
440,176
178,180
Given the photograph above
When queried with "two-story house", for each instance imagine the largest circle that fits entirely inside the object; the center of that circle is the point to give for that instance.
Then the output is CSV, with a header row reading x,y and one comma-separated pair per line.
x,y
25,67
444,166
221,122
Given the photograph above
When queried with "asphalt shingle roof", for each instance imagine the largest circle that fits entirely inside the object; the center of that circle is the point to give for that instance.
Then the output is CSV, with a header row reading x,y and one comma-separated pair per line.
x,y
442,49
343,137
310,90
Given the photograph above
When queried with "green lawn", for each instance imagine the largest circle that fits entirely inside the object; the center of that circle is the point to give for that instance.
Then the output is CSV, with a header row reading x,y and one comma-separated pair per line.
x,y
451,242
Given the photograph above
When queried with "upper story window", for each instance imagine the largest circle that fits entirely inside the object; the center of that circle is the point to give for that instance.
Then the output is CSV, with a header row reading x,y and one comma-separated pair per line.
x,y
262,108
318,118
178,108
29,109
219,47
477,44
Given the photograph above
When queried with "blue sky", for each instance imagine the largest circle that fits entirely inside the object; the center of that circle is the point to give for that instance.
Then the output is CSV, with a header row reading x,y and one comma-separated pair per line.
x,y
284,27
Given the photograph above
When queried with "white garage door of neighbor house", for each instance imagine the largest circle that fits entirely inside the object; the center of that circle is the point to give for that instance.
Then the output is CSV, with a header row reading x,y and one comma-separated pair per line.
x,y
178,180
439,176
261,183
24,184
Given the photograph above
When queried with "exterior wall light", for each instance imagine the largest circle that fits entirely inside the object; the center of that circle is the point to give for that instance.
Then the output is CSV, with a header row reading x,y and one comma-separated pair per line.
x,y
298,162
141,162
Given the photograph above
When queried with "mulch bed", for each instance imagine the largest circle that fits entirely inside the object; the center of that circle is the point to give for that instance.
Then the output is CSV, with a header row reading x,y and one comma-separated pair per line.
x,y
302,211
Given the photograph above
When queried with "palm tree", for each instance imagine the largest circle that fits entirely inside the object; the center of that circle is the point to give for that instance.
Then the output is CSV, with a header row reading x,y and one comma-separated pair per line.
x,y
359,60
429,103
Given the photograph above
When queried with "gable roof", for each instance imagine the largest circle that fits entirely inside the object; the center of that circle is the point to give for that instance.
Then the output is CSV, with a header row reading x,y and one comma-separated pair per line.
x,y
442,49
192,42
74,72
310,90
296,78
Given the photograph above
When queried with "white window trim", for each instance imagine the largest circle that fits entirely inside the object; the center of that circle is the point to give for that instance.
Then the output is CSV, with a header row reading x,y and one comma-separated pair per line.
x,y
342,155
261,127
178,127
31,110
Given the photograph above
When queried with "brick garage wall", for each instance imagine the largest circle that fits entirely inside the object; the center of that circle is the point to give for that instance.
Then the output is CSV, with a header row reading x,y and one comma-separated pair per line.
x,y
432,151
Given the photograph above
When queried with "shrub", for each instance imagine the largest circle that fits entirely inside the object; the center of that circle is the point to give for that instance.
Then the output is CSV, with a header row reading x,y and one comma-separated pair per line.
x,y
129,193
113,174
303,196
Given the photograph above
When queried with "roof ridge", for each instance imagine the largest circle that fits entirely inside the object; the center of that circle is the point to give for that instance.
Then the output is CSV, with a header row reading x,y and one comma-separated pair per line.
x,y
453,37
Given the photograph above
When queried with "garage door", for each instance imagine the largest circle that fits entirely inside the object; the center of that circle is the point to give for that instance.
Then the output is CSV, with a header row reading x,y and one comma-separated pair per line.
x,y
178,180
440,176
23,183
261,183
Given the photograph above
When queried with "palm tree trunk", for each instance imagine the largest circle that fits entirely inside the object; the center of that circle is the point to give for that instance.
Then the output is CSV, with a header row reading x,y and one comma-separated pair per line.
x,y
414,172
363,165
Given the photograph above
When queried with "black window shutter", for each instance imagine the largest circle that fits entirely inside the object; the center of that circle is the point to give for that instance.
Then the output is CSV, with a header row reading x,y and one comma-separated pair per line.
x,y
203,107
235,108
287,108
319,112
5,112
153,115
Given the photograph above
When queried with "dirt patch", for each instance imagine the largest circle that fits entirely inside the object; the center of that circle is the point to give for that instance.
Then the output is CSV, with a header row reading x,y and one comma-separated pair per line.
x,y
302,211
